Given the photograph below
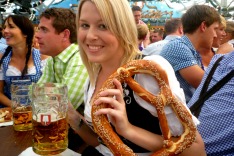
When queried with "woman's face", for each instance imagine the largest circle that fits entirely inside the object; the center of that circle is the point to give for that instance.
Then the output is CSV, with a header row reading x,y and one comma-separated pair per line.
x,y
220,36
13,34
227,37
100,45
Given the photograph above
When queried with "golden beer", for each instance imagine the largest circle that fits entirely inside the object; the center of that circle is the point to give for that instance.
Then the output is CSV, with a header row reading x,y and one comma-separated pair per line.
x,y
50,138
22,118
50,128
21,105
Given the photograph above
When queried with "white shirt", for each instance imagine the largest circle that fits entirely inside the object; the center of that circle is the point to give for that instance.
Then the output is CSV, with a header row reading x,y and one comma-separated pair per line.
x,y
12,71
156,47
151,86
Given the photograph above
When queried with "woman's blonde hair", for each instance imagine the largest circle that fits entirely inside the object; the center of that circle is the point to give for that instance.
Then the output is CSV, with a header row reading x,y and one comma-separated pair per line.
x,y
223,21
142,31
118,17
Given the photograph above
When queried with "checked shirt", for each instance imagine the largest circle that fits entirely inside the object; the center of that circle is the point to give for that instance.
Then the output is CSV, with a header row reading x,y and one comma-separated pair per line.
x,y
67,68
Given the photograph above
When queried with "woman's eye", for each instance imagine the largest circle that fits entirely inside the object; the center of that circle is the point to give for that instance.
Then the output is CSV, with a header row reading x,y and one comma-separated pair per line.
x,y
102,26
84,25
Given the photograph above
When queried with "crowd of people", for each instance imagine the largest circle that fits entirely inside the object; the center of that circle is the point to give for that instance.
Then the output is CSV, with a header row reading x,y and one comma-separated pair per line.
x,y
83,49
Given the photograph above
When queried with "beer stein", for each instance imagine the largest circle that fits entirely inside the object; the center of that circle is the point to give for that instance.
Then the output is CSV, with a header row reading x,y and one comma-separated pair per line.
x,y
50,128
21,107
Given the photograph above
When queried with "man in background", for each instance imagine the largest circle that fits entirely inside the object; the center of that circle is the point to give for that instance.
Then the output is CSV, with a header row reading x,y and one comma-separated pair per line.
x,y
173,29
182,52
56,37
156,35
137,12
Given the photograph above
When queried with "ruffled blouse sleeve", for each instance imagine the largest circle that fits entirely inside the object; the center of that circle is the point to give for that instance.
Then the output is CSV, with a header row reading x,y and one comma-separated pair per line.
x,y
151,85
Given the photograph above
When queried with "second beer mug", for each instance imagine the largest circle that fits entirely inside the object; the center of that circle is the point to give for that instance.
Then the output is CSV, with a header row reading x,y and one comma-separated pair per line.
x,y
50,128
21,107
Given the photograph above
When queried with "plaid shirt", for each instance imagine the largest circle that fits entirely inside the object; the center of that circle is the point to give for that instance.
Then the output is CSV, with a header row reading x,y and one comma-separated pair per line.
x,y
180,53
216,116
67,68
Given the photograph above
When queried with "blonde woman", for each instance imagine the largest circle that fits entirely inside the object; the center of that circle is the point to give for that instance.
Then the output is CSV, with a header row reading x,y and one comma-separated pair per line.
x,y
227,42
142,31
107,37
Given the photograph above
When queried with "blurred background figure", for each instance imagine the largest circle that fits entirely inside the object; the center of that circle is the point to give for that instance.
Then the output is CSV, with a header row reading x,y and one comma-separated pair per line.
x,y
218,44
3,44
221,33
142,31
156,35
137,11
35,43
35,40
229,32
173,29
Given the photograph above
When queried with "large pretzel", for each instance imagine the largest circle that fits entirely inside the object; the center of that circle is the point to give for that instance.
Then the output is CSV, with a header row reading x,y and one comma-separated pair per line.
x,y
165,97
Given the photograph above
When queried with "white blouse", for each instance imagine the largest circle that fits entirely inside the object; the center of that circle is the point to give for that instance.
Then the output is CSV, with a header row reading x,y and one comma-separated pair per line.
x,y
13,71
151,86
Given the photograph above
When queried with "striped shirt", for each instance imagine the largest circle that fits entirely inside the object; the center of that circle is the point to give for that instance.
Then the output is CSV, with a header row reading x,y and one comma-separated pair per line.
x,y
67,68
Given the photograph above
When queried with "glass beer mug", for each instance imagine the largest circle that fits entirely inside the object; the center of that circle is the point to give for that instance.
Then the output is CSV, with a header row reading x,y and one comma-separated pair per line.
x,y
50,128
21,107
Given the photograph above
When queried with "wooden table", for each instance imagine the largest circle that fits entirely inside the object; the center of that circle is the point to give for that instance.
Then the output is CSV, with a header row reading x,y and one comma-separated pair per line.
x,y
12,143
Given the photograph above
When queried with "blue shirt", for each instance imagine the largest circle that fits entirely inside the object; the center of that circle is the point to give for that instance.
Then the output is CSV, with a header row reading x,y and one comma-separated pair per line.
x,y
3,45
217,113
180,53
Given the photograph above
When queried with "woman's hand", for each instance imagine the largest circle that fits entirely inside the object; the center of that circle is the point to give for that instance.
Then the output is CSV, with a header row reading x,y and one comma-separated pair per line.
x,y
116,110
225,48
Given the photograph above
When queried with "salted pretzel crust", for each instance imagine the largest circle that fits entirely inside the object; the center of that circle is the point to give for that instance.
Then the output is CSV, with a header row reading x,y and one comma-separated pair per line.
x,y
165,97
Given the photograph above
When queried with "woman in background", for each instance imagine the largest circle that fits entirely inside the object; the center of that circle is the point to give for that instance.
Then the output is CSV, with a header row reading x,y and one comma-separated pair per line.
x,y
142,31
20,61
227,43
